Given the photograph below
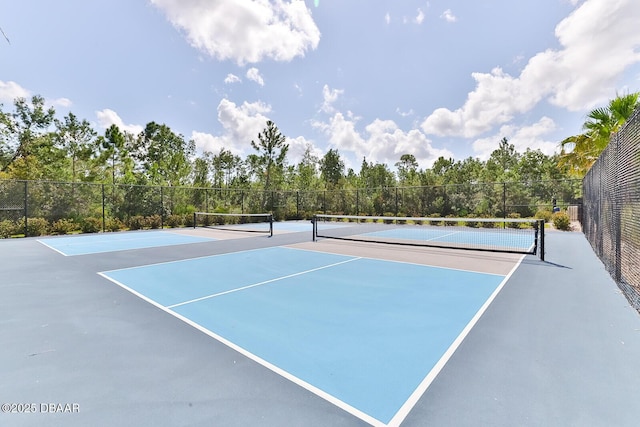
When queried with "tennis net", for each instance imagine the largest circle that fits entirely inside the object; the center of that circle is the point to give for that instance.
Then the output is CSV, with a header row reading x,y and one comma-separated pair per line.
x,y
509,235
251,223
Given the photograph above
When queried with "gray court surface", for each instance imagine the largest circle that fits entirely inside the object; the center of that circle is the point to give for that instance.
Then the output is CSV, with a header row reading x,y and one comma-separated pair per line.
x,y
559,346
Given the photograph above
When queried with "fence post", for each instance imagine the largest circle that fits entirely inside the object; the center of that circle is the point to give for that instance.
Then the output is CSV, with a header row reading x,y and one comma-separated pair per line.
x,y
161,207
103,210
396,201
617,211
504,200
26,205
445,202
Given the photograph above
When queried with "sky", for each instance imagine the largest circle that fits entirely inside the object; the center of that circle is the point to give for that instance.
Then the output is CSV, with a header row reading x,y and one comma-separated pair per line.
x,y
372,79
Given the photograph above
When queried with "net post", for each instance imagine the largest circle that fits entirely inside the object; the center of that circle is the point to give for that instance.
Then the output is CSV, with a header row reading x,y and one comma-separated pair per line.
x,y
271,225
194,221
314,226
541,236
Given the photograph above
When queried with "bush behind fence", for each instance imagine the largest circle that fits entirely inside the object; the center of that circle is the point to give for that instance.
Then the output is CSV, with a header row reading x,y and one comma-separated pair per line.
x,y
88,207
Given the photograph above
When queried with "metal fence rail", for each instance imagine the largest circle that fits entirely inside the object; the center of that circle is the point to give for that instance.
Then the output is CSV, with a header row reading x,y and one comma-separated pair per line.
x,y
611,219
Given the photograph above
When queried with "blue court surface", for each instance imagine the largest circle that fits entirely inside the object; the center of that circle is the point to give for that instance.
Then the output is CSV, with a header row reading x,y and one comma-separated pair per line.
x,y
109,242
496,239
367,335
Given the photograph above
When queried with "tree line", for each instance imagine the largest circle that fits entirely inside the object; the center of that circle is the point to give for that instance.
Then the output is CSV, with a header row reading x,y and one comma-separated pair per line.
x,y
37,145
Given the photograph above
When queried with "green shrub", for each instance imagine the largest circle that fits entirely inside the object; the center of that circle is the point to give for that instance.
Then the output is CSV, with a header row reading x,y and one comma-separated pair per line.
x,y
136,222
91,224
64,226
7,228
37,227
544,214
488,224
154,221
114,224
472,224
187,220
174,221
513,215
435,215
184,210
451,223
561,221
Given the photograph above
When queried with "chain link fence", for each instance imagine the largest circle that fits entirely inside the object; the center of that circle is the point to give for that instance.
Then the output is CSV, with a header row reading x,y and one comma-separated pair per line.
x,y
39,207
611,218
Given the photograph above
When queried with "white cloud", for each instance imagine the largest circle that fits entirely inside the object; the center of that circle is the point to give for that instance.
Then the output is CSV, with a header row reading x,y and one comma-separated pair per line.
x,y
232,78
241,124
569,78
109,117
253,74
387,18
420,17
404,113
448,16
245,31
9,91
382,141
61,102
496,99
330,96
616,47
521,137
297,148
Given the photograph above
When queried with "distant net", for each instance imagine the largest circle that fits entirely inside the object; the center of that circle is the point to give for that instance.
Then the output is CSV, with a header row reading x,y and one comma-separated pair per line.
x,y
249,223
524,236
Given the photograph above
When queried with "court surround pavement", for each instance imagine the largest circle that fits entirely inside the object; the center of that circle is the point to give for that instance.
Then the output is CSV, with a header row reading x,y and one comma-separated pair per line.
x,y
558,346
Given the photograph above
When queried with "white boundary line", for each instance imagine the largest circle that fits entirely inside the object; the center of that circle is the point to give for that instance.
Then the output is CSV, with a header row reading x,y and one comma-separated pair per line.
x,y
261,283
424,385
187,259
328,397
130,239
52,248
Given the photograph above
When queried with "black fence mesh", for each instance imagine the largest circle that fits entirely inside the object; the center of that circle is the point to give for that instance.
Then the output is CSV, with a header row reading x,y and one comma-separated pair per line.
x,y
611,216
63,207
13,203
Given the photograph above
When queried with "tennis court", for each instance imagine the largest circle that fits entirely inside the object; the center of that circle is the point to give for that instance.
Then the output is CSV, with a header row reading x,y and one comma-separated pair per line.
x,y
283,330
99,243
343,327
112,242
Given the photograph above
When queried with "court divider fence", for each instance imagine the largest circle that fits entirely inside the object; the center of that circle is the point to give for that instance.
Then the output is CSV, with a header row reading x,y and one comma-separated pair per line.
x,y
43,207
611,212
